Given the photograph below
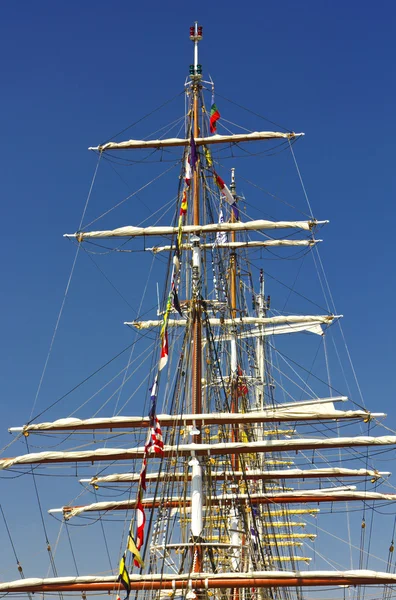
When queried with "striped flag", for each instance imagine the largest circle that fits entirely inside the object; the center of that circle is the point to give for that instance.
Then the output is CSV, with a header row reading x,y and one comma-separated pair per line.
x,y
137,559
123,577
156,441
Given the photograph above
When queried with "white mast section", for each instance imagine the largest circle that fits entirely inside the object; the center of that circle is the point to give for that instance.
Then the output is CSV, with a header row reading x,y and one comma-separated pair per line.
x,y
213,139
132,231
196,498
226,448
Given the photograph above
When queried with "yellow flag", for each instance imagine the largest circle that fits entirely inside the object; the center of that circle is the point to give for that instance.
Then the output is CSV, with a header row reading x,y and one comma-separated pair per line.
x,y
166,316
208,156
133,549
123,577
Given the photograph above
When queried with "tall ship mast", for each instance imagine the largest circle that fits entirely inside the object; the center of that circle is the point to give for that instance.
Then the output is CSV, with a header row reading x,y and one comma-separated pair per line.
x,y
217,485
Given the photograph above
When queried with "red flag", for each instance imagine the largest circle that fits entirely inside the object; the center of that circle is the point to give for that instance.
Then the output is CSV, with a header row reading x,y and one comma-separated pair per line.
x,y
228,197
242,387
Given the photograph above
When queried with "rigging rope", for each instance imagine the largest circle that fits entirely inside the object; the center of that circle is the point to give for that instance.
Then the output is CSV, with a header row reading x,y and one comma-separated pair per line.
x,y
49,549
64,295
19,566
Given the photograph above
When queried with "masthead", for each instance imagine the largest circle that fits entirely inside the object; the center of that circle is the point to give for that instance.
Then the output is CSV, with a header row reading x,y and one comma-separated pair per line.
x,y
196,37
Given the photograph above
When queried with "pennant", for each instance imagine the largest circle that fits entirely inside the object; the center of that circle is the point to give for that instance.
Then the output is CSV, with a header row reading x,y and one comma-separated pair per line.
x,y
221,236
137,560
123,577
214,117
193,153
208,156
164,351
224,190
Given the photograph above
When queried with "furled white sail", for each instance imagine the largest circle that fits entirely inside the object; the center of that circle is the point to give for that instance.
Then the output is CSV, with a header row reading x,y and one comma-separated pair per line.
x,y
315,328
213,139
251,474
216,322
199,450
131,231
257,244
314,410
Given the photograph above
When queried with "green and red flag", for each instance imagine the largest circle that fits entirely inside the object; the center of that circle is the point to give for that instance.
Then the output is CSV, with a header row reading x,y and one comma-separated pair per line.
x,y
214,117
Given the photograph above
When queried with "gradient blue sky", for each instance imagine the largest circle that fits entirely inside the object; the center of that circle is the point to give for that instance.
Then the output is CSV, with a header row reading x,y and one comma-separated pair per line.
x,y
74,73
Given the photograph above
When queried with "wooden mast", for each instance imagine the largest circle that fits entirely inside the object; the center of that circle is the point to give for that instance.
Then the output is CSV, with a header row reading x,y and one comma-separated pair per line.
x,y
195,74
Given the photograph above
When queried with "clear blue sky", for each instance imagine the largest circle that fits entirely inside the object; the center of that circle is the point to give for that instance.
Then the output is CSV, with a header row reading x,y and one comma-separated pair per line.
x,y
74,73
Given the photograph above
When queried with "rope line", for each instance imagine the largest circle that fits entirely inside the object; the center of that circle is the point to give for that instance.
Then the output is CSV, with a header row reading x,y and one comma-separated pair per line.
x,y
64,296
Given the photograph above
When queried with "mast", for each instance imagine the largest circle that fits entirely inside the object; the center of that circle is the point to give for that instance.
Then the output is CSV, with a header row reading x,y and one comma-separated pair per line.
x,y
196,483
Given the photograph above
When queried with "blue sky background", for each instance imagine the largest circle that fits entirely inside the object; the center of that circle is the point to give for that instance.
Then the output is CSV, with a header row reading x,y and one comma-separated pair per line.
x,y
73,74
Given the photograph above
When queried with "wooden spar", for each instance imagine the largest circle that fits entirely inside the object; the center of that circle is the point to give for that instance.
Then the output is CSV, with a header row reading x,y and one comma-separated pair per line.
x,y
204,581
